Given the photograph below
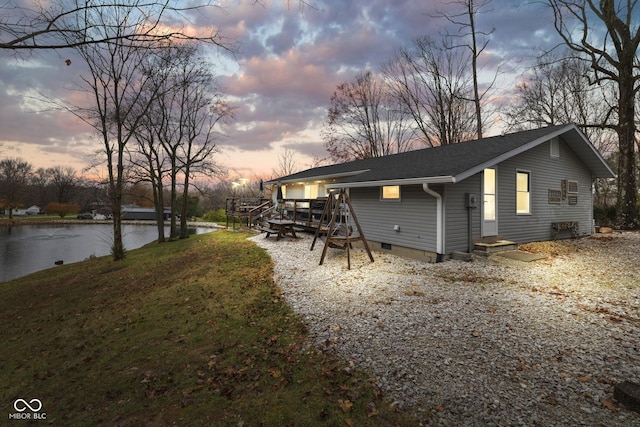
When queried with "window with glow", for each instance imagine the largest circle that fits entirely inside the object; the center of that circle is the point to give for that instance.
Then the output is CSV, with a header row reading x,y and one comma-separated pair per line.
x,y
523,193
391,192
489,196
311,191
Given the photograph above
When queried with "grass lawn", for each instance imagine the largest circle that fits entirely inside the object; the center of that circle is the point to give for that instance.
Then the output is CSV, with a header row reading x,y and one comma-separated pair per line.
x,y
192,332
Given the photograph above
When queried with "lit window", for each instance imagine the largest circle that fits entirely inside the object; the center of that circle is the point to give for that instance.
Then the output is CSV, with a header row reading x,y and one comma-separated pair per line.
x,y
311,191
523,193
391,192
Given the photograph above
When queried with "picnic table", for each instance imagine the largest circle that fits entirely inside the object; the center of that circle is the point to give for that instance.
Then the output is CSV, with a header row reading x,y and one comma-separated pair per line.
x,y
280,228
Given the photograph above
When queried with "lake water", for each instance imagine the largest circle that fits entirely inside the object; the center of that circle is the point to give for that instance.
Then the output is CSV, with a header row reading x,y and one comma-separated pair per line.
x,y
25,249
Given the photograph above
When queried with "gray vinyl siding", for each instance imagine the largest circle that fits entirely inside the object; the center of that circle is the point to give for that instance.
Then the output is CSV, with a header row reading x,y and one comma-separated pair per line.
x,y
456,214
545,173
414,213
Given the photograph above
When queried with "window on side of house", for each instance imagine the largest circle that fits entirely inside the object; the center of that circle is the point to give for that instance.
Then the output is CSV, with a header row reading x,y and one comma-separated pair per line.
x,y
311,191
572,192
523,193
555,148
390,192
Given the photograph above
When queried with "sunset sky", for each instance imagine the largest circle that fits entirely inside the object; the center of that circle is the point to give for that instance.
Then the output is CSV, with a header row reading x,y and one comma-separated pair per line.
x,y
289,62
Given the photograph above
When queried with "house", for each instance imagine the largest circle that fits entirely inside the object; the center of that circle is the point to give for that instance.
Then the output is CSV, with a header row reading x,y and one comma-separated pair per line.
x,y
527,186
137,213
32,210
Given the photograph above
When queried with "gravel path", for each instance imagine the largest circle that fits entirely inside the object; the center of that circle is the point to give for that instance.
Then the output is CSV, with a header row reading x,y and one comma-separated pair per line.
x,y
492,342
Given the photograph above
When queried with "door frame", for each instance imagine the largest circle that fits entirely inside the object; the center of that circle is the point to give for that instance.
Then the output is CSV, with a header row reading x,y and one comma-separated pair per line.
x,y
489,227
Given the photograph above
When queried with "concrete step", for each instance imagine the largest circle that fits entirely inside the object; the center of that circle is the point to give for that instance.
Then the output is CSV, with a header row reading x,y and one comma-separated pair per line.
x,y
497,246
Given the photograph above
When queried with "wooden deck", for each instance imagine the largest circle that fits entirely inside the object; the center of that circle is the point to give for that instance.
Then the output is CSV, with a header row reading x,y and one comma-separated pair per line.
x,y
252,213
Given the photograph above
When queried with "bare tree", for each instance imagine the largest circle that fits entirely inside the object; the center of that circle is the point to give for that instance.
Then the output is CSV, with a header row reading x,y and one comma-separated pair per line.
x,y
287,164
58,24
431,82
558,91
63,181
203,111
116,83
14,178
467,29
613,57
148,161
363,121
179,133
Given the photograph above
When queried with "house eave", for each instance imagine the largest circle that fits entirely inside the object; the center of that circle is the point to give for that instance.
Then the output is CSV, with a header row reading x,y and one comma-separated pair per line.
x,y
316,177
382,183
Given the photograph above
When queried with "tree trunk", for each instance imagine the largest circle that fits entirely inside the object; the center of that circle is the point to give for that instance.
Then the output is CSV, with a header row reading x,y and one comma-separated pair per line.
x,y
158,201
184,230
117,249
626,129
173,234
474,67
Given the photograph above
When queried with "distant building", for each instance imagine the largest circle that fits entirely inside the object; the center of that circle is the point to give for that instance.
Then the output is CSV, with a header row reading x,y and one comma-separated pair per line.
x,y
137,213
32,210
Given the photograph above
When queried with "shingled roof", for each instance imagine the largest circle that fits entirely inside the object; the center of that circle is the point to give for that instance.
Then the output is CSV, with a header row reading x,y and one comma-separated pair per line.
x,y
451,163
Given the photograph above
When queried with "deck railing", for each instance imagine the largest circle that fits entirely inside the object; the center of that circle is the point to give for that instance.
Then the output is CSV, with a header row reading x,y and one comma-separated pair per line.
x,y
247,210
305,212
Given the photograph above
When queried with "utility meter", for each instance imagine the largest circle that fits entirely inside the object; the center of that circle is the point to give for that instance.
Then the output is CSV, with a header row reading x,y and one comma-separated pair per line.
x,y
471,200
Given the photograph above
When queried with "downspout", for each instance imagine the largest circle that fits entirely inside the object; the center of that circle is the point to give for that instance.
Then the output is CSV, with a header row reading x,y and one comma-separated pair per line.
x,y
439,220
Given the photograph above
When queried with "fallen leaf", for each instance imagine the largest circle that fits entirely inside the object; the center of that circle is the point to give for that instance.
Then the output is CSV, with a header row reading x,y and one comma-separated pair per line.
x,y
275,372
346,405
608,404
372,410
280,384
190,390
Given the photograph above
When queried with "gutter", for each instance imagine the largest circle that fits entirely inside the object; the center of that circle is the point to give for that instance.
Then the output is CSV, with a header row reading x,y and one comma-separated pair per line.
x,y
439,220
409,181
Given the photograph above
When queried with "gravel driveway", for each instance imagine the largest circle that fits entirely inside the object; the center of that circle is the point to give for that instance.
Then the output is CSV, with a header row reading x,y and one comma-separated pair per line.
x,y
493,341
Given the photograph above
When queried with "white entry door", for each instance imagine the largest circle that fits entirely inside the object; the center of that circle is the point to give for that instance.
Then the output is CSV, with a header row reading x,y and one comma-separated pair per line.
x,y
489,203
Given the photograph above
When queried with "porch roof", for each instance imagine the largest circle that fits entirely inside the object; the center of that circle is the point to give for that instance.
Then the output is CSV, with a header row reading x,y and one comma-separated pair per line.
x,y
450,163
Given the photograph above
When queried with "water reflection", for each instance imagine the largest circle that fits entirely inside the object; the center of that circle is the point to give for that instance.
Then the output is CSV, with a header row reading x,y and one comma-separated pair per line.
x,y
25,249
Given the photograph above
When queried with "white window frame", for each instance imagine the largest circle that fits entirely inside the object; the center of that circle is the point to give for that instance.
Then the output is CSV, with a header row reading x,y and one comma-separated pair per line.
x,y
390,199
311,191
554,148
521,192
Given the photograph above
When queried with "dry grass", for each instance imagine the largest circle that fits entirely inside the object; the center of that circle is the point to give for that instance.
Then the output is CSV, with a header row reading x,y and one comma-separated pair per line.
x,y
187,333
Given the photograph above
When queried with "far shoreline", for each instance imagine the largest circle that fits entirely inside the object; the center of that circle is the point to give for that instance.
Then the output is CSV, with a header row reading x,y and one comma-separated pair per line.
x,y
6,222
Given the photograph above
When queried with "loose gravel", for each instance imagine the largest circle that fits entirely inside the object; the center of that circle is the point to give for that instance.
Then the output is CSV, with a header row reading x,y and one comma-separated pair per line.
x,y
491,342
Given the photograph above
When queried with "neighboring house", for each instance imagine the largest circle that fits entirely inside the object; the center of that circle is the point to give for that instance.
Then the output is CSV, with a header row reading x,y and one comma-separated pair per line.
x,y
429,203
32,210
133,212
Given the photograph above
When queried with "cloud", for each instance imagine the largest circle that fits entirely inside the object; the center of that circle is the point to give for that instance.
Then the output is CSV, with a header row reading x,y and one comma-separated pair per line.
x,y
285,66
